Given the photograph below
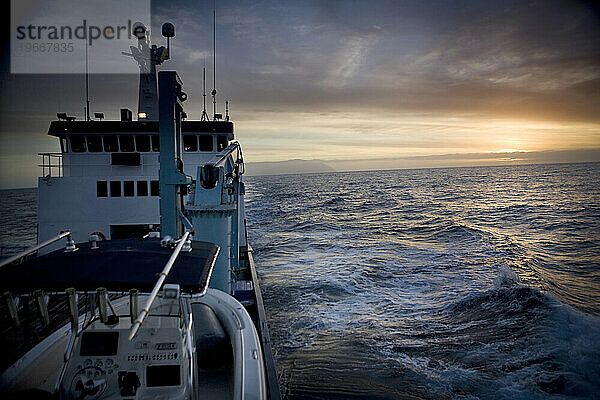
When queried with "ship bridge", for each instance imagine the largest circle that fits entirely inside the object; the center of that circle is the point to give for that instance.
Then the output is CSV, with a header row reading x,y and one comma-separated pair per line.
x,y
112,167
112,148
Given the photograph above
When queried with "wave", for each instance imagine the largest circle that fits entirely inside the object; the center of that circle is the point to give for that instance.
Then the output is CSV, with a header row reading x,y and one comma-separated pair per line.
x,y
508,342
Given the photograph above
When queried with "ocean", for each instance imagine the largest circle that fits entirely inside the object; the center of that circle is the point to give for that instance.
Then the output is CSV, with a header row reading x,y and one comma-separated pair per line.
x,y
460,283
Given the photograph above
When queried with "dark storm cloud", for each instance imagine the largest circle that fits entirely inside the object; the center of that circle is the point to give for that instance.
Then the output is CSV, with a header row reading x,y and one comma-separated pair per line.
x,y
538,60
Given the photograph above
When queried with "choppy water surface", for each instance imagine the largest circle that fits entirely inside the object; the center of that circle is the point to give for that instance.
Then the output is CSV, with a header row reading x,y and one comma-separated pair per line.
x,y
18,220
459,283
456,283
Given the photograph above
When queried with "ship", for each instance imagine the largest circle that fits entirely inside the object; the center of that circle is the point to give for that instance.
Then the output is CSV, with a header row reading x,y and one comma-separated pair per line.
x,y
143,277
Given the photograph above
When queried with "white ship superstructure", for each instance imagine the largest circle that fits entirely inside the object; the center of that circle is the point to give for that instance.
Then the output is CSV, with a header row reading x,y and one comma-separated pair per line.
x,y
105,180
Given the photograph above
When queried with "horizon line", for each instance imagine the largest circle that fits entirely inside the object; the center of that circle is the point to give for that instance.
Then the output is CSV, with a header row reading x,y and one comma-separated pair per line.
x,y
388,169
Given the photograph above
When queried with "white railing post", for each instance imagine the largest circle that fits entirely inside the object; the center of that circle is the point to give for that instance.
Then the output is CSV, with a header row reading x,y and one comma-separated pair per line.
x,y
163,275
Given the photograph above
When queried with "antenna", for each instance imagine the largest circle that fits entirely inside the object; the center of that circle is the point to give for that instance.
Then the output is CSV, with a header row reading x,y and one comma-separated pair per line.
x,y
226,110
87,84
214,91
204,114
148,56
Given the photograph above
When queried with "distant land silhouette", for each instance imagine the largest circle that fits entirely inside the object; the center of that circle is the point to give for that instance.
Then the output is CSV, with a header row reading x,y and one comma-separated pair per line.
x,y
295,166
24,171
298,166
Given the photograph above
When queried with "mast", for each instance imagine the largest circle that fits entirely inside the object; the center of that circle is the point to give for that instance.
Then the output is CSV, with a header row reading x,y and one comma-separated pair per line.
x,y
87,84
148,57
214,91
148,90
171,176
204,114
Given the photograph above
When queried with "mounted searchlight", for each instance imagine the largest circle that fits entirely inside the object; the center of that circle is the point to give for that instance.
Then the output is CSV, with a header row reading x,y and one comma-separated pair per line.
x,y
64,117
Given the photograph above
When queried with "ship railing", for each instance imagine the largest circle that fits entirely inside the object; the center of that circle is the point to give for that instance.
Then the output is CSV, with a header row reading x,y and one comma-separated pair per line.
x,y
18,257
234,150
52,165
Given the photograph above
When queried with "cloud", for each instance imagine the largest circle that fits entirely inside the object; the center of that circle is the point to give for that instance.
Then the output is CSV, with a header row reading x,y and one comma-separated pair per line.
x,y
305,29
193,56
348,60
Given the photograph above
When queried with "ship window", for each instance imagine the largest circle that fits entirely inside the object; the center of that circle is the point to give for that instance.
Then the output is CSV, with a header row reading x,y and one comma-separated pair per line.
x,y
154,188
128,189
155,143
115,188
221,142
94,143
206,142
125,159
111,143
64,147
101,189
190,143
78,144
142,143
142,188
126,143
129,231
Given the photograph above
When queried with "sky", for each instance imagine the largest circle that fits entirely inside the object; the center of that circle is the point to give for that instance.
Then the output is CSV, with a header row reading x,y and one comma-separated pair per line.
x,y
355,83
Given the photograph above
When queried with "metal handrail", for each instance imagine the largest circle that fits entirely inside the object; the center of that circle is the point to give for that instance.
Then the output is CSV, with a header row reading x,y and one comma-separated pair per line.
x,y
234,146
35,248
163,275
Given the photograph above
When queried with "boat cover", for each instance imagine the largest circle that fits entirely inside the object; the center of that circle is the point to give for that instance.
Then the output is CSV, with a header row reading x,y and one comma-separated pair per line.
x,y
118,265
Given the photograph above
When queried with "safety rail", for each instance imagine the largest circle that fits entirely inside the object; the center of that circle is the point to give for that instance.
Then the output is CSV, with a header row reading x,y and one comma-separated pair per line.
x,y
229,151
39,246
163,275
48,164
